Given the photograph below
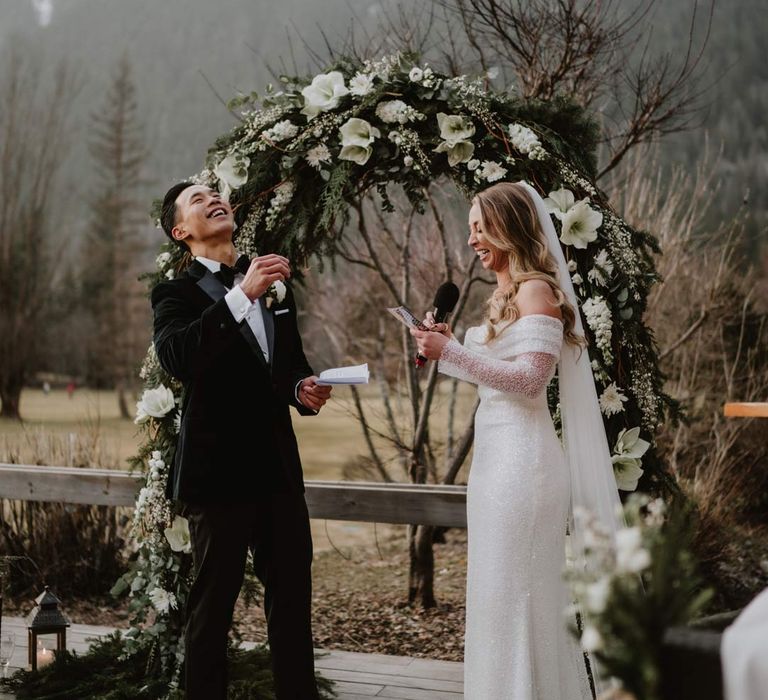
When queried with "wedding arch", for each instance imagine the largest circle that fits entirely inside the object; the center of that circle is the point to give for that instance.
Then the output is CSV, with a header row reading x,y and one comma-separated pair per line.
x,y
293,166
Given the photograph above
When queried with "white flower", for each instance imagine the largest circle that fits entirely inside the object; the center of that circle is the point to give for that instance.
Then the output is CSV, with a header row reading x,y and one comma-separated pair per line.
x,y
591,640
162,600
572,266
396,112
162,260
416,75
627,457
577,279
612,400
232,173
408,161
596,595
317,155
455,131
155,403
559,202
580,224
357,135
281,131
598,316
177,423
170,273
631,557
473,164
602,270
361,84
323,93
491,171
525,141
178,535
656,509
280,290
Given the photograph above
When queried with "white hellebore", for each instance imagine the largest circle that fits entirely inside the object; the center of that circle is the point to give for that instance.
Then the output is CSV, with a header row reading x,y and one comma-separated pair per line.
x,y
627,458
323,93
580,224
456,131
155,402
178,535
631,557
357,135
232,172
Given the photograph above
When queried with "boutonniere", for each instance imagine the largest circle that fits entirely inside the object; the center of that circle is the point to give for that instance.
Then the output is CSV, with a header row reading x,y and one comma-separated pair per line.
x,y
275,293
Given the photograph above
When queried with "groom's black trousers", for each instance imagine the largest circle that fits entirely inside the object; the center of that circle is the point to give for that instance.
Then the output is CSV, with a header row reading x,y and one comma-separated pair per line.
x,y
276,530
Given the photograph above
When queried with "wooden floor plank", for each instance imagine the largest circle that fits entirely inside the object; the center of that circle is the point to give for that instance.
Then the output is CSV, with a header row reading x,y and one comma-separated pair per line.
x,y
356,676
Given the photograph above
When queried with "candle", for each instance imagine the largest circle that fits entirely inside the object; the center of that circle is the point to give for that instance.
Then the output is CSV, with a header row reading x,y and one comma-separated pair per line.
x,y
44,657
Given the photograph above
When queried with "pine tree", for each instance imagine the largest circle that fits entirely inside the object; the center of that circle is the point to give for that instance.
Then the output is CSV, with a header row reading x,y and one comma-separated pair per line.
x,y
112,293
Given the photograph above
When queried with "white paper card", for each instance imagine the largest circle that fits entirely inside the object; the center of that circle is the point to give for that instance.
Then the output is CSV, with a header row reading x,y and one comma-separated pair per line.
x,y
356,374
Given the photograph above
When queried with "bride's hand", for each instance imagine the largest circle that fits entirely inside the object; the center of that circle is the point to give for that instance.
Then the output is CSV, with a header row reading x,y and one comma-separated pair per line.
x,y
429,343
443,328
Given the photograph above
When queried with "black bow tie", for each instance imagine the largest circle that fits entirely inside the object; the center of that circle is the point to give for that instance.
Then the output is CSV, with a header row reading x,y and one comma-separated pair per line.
x,y
226,274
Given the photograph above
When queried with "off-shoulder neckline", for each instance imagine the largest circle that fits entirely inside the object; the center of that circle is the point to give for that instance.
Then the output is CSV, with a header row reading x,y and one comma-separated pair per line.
x,y
547,316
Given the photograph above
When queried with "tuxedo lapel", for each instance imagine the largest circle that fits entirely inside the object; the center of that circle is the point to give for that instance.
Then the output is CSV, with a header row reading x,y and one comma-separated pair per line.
x,y
216,290
269,328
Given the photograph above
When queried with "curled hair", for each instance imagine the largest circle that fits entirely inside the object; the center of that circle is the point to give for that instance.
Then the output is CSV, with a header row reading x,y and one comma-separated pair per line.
x,y
511,224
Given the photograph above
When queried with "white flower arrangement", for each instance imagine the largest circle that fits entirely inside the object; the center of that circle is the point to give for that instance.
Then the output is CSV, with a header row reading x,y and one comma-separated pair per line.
x,y
627,458
599,319
612,400
455,130
154,403
232,173
397,112
526,142
323,93
357,137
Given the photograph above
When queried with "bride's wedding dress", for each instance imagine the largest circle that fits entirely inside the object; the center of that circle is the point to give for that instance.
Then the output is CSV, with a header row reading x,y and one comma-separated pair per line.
x,y
517,646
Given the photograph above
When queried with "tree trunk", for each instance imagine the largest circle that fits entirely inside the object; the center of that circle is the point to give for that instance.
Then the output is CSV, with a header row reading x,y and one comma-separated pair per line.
x,y
421,577
122,402
10,395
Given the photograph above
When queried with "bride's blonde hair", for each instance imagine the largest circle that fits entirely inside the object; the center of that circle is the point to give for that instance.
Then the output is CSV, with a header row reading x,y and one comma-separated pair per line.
x,y
511,224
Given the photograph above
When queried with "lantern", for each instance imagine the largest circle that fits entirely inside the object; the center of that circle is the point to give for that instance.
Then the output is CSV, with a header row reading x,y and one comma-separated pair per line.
x,y
45,619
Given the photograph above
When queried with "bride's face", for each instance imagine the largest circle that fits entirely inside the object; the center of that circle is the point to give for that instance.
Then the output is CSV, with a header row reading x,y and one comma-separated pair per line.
x,y
491,258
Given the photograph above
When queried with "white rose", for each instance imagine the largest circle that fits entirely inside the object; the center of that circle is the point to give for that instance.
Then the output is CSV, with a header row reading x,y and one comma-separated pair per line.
x,y
580,224
232,172
280,290
361,84
323,93
162,260
559,202
178,535
357,135
416,75
473,164
155,403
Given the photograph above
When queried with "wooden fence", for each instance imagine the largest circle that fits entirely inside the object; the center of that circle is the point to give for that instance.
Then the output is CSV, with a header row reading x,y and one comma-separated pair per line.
x,y
359,501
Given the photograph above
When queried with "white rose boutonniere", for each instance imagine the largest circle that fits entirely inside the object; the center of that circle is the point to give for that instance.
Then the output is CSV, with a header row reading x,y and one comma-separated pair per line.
x,y
232,173
357,135
275,293
323,93
154,403
455,131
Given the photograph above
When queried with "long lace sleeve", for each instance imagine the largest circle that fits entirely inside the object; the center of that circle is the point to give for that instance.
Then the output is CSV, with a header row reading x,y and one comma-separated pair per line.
x,y
521,362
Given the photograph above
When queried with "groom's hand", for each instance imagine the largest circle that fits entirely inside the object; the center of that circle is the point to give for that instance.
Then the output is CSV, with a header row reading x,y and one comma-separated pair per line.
x,y
312,394
264,270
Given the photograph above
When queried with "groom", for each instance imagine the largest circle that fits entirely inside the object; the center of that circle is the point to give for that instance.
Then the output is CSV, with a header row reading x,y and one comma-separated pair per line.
x,y
236,471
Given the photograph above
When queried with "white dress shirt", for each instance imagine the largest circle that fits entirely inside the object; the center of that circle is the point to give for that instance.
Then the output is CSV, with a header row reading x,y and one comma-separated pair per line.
x,y
241,306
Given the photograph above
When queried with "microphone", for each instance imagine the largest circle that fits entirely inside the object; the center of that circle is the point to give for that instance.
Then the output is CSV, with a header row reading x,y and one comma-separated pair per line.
x,y
446,296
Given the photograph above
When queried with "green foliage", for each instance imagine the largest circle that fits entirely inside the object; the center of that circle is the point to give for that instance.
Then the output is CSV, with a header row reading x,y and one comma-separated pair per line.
x,y
107,673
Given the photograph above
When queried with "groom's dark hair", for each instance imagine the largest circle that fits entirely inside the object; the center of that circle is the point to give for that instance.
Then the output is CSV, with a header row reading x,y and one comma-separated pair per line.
x,y
168,211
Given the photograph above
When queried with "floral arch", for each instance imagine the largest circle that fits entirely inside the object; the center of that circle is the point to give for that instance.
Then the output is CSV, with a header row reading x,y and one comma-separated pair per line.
x,y
293,165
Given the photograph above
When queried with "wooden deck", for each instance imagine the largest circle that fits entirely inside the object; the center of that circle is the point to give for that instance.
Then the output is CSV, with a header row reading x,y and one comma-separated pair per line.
x,y
357,676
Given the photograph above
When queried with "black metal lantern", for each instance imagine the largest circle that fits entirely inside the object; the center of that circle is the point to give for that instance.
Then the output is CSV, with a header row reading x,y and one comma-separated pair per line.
x,y
45,619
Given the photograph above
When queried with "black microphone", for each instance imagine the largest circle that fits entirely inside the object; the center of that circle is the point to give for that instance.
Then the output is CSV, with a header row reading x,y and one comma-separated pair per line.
x,y
446,296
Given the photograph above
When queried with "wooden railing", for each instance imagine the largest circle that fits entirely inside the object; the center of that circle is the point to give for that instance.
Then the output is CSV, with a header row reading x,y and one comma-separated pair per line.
x,y
360,501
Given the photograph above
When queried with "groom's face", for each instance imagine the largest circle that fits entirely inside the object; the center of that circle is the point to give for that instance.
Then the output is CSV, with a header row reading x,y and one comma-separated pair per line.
x,y
202,215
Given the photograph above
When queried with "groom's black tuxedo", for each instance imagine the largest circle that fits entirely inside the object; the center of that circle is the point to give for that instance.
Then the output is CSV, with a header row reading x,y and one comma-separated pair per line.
x,y
236,439
238,476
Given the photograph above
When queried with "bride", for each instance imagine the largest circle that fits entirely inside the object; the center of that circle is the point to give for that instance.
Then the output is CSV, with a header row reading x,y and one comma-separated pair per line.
x,y
523,484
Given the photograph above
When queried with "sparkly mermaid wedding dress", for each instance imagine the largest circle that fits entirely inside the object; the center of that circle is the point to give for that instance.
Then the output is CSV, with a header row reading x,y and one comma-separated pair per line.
x,y
517,646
